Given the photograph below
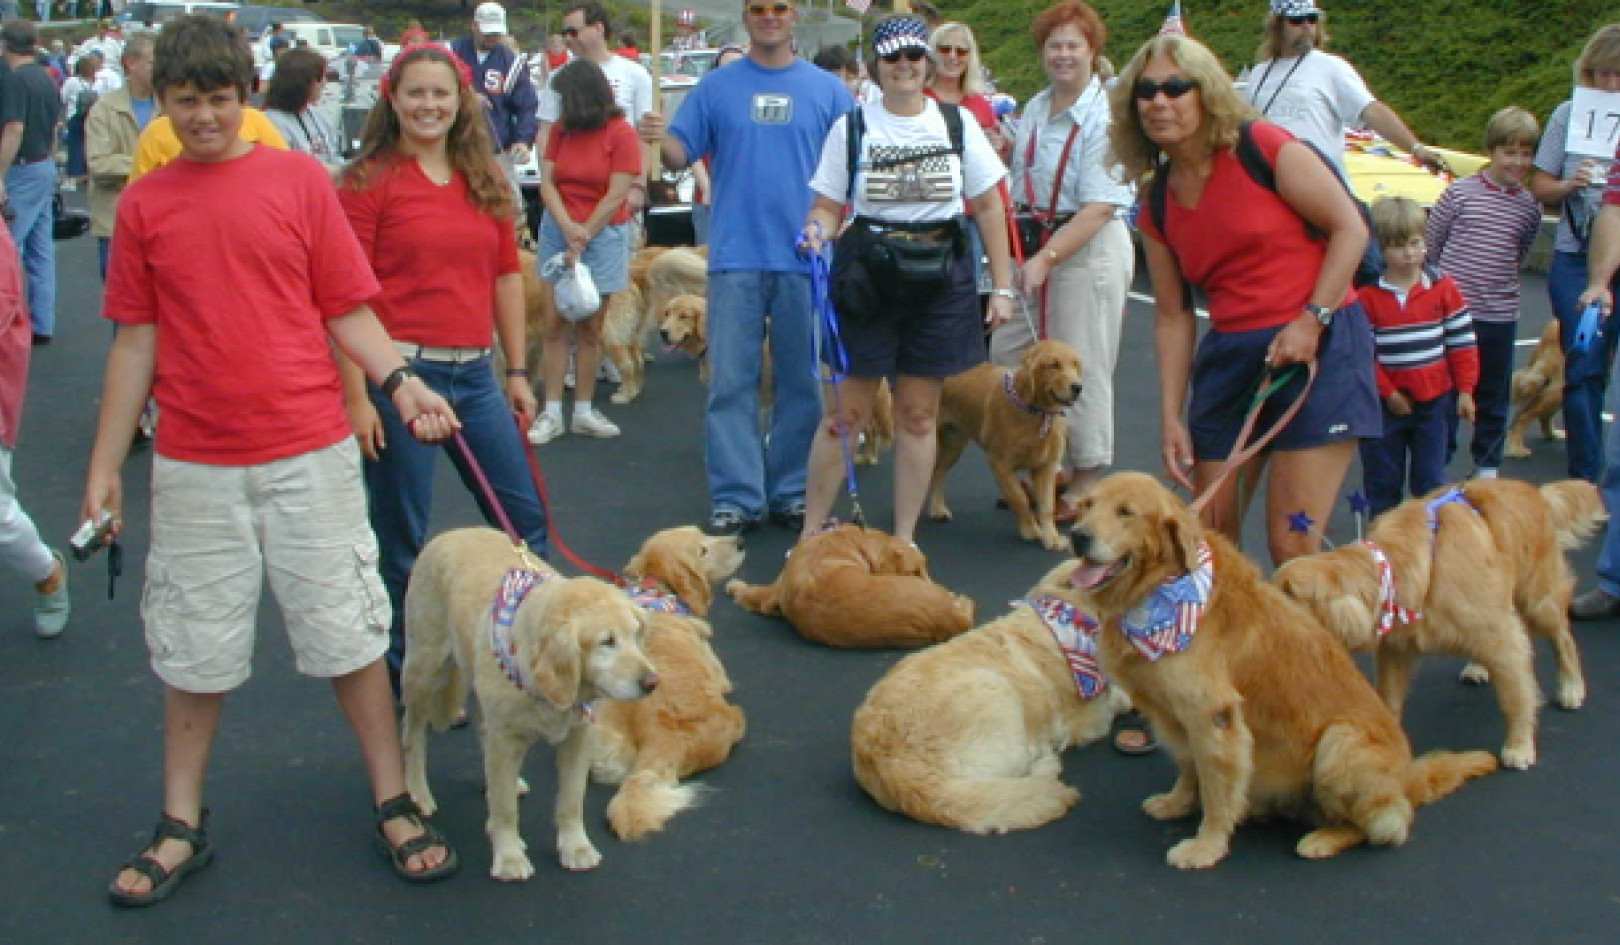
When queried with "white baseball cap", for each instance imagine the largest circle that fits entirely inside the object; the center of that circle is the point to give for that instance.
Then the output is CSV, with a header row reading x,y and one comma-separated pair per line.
x,y
491,18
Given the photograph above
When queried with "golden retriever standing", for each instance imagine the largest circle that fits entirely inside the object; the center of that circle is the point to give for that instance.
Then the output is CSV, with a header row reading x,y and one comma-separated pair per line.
x,y
680,271
624,325
1017,418
687,725
858,587
569,643
1470,586
968,734
1263,709
1538,393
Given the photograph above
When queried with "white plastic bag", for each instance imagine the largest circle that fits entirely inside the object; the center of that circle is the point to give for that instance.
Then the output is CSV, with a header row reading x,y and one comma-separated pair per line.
x,y
577,298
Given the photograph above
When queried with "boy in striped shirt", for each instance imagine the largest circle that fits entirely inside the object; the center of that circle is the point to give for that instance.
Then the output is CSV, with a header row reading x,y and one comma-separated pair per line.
x,y
1428,365
1479,232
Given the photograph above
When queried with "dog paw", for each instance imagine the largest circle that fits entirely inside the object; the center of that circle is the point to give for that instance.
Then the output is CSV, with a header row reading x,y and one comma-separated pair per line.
x,y
1052,541
511,866
1168,806
425,802
1474,675
1571,695
1196,854
578,855
1518,757
941,514
1516,452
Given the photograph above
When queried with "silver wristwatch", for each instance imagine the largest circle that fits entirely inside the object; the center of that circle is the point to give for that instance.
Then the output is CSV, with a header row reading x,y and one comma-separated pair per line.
x,y
1324,315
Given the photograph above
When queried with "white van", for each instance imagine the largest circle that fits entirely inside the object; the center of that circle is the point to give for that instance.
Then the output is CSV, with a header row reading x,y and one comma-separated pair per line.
x,y
329,39
152,14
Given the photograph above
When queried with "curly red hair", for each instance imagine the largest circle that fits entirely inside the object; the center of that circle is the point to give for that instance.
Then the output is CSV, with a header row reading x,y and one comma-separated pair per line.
x,y
1072,11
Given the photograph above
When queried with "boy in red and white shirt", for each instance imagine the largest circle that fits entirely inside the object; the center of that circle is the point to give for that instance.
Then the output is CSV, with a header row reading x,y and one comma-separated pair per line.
x,y
1428,365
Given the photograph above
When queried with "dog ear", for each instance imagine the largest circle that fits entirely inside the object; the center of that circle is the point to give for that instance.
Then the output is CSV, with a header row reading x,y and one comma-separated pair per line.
x,y
687,581
557,665
1183,533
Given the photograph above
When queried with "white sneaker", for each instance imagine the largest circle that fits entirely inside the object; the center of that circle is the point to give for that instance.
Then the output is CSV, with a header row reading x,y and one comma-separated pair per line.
x,y
546,428
591,423
1485,472
51,609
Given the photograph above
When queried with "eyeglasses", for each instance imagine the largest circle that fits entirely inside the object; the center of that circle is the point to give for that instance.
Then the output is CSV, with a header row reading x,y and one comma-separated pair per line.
x,y
570,31
1147,90
911,54
775,9
945,50
1302,19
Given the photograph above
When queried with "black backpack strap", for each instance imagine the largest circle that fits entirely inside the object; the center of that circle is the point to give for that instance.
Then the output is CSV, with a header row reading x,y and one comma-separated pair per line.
x,y
1158,192
953,125
854,131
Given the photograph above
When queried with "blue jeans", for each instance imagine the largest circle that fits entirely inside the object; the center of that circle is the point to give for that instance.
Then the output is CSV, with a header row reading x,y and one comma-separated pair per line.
x,y
1585,376
1608,563
1494,394
1412,452
743,307
29,188
399,485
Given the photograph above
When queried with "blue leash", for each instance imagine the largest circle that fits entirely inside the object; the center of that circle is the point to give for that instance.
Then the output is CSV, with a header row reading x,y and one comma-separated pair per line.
x,y
830,350
1588,329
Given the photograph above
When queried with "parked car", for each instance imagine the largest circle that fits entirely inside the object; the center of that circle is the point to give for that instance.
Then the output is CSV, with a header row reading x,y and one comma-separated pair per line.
x,y
689,62
255,21
329,39
152,14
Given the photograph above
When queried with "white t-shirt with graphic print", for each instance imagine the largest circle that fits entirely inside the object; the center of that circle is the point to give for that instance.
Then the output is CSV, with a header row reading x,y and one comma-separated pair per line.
x,y
1316,98
632,91
928,189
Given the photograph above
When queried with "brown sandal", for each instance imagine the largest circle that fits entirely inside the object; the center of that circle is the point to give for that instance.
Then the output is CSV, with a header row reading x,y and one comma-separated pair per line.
x,y
164,880
399,857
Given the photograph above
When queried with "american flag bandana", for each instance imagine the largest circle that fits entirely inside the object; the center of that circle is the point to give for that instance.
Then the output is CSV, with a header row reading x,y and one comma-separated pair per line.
x,y
650,597
1450,496
1166,621
515,588
1076,635
1017,401
1389,612
899,33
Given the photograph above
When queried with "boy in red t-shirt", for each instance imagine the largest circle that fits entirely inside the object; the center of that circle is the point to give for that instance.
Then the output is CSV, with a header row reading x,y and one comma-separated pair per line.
x,y
228,293
1428,360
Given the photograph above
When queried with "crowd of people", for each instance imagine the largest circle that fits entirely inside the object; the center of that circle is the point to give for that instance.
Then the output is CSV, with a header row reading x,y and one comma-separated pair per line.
x,y
953,239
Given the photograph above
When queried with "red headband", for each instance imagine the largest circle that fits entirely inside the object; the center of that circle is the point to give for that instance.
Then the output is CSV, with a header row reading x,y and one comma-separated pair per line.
x,y
392,75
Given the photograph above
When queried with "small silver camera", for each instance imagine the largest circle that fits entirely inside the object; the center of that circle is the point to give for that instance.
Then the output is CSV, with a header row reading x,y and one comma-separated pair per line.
x,y
92,536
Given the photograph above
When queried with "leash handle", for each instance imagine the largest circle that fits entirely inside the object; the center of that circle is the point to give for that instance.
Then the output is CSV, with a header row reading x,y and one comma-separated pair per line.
x,y
1242,450
824,315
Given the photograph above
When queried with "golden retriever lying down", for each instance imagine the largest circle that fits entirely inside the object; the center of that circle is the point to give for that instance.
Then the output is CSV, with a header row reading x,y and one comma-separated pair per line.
x,y
1262,708
1538,393
1471,586
969,733
687,725
570,642
858,587
1017,418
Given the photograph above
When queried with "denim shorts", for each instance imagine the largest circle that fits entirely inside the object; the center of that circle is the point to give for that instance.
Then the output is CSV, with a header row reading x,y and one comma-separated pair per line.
x,y
939,339
607,256
1343,405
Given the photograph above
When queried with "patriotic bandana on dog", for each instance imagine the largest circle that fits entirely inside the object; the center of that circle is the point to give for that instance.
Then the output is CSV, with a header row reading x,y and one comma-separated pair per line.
x,y
650,597
515,588
1011,391
1389,612
1076,635
1166,621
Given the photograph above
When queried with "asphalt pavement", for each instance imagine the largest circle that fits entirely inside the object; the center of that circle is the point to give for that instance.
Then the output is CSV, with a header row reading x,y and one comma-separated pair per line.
x,y
787,848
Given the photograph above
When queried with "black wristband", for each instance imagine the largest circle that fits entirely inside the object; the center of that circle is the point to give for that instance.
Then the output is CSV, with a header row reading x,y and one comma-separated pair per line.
x,y
517,372
395,378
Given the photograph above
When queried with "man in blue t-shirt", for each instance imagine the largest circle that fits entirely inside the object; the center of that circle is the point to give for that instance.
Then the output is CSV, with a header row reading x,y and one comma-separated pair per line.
x,y
761,122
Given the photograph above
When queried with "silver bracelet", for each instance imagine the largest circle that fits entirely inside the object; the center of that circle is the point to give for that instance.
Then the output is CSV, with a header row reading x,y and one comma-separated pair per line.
x,y
1005,293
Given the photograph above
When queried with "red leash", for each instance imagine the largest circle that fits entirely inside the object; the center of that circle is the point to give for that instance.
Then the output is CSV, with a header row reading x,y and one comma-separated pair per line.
x,y
1243,451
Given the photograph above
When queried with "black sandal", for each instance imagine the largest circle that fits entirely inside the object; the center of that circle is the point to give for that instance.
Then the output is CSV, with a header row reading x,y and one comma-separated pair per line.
x,y
164,880
1133,737
399,857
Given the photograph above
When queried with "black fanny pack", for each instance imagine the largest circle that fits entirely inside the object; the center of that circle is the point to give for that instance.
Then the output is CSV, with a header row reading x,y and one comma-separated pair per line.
x,y
881,265
1035,228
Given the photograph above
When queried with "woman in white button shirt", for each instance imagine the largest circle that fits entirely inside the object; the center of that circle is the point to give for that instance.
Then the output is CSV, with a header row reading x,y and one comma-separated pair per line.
x,y
1075,284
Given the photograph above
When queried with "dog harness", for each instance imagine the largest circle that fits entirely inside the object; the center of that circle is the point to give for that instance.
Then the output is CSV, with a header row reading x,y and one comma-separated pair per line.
x,y
650,597
1076,634
1012,394
1389,611
1449,497
514,590
1166,621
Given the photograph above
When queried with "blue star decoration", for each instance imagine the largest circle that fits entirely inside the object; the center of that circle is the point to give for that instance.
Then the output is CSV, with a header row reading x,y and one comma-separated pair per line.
x,y
1358,503
1300,522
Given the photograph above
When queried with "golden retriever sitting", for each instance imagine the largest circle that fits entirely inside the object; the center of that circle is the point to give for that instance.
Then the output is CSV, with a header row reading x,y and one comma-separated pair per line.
x,y
1017,418
1468,587
858,587
536,672
1538,393
687,725
968,734
1262,708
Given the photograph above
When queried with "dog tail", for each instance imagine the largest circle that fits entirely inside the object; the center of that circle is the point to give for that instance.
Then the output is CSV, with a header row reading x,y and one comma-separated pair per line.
x,y
1575,509
975,805
647,800
1439,773
759,598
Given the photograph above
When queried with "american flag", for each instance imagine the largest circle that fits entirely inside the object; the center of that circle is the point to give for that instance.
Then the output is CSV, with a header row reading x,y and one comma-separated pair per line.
x,y
1173,24
1076,635
1389,612
1166,621
859,6
650,597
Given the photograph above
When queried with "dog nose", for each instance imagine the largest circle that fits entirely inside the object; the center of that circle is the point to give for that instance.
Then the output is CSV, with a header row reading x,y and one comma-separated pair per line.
x,y
649,682
1074,389
1080,540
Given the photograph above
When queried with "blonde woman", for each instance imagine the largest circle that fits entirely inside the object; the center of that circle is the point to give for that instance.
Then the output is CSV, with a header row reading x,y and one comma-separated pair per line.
x,y
1079,264
959,78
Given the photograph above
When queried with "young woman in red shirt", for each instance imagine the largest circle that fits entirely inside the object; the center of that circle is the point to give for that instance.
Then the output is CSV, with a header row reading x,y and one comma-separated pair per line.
x,y
436,219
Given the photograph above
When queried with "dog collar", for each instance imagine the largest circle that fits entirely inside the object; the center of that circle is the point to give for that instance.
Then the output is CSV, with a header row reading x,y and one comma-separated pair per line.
x,y
650,597
1011,391
514,589
1389,611
1451,496
1076,634
1166,621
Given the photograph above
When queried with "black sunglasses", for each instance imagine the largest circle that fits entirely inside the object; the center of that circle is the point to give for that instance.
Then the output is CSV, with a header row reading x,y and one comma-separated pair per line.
x,y
1147,90
570,31
1302,19
775,9
911,54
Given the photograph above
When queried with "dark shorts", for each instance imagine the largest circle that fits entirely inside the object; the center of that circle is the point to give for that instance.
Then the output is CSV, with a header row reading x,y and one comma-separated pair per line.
x,y
1343,405
938,339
